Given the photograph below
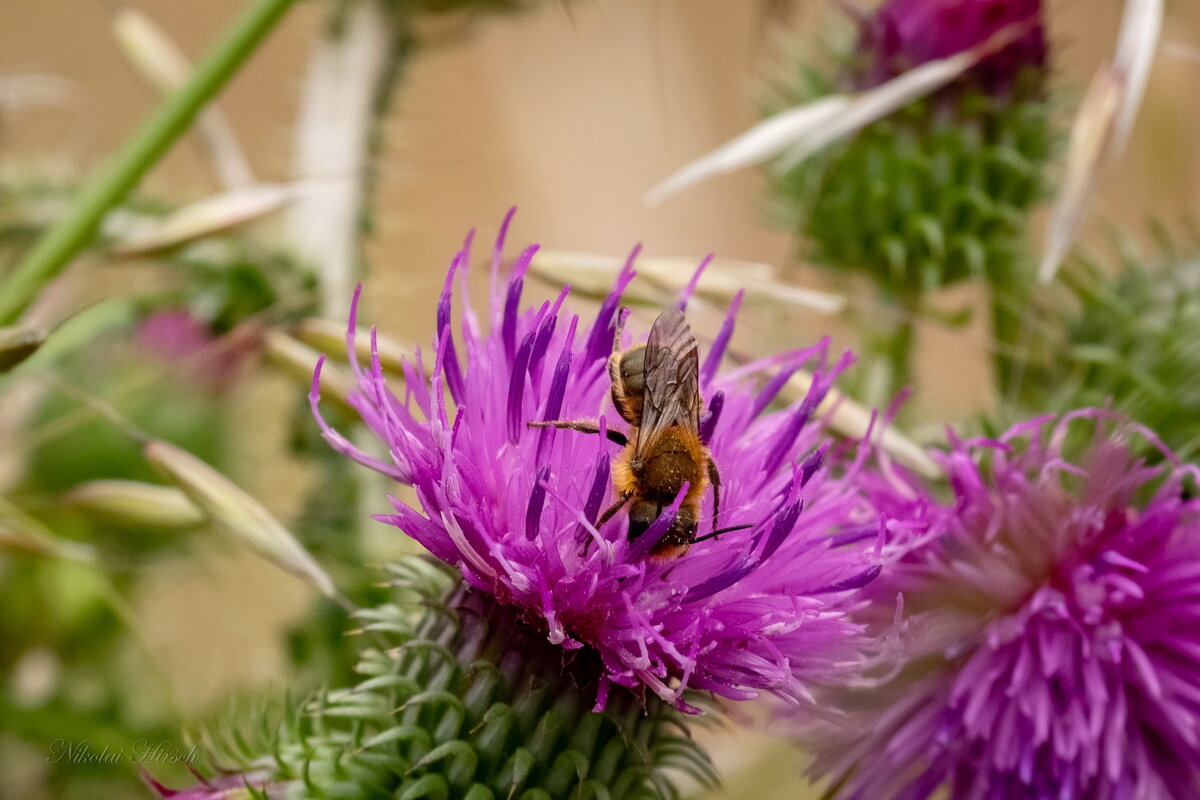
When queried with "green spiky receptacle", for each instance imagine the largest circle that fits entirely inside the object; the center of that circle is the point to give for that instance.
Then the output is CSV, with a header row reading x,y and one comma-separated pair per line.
x,y
1132,343
936,193
463,700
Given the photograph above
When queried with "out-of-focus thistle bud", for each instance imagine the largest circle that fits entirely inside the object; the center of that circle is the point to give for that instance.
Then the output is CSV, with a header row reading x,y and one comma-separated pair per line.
x,y
236,513
904,34
938,191
135,503
17,343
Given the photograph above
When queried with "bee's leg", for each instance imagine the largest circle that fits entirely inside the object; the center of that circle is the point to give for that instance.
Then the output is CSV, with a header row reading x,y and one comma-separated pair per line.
x,y
614,376
612,510
583,426
614,360
714,476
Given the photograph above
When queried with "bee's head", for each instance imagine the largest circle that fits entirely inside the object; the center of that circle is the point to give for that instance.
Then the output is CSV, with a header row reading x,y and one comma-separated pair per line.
x,y
641,516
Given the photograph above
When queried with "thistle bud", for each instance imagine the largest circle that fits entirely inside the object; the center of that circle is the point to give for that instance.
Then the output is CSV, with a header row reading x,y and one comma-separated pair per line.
x,y
938,191
1125,336
904,34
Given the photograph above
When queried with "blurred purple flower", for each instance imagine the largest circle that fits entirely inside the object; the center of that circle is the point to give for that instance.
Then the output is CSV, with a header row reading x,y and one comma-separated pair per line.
x,y
184,342
512,508
903,34
1051,627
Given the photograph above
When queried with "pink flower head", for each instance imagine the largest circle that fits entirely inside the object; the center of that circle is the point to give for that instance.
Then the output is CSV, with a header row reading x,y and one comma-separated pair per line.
x,y
1051,627
250,786
514,508
184,342
903,34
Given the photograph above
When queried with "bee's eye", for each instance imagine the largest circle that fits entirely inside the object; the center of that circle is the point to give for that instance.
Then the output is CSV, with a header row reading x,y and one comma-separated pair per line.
x,y
641,516
633,365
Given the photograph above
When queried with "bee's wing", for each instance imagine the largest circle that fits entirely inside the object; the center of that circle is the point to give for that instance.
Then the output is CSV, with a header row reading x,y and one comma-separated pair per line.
x,y
672,368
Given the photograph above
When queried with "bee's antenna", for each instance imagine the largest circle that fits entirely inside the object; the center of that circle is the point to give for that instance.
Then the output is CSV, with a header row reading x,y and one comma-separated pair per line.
x,y
717,533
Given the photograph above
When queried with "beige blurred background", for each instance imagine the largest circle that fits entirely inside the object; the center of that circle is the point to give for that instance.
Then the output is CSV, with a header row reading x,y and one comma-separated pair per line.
x,y
570,112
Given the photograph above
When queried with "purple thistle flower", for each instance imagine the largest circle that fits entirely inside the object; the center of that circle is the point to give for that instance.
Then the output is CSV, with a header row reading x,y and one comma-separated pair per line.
x,y
226,787
513,508
1050,627
903,34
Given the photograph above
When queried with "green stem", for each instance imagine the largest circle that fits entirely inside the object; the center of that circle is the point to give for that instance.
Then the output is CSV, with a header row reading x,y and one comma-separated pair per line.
x,y
1015,340
889,343
70,234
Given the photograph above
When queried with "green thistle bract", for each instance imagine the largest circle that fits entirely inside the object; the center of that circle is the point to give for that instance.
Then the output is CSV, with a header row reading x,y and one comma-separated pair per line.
x,y
931,195
1130,343
938,191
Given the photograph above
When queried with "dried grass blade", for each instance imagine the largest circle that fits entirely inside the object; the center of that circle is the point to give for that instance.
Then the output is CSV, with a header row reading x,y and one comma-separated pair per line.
x,y
799,132
163,65
206,217
592,274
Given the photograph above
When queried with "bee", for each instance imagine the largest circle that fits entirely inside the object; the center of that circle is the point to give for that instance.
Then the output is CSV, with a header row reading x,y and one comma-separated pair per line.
x,y
656,389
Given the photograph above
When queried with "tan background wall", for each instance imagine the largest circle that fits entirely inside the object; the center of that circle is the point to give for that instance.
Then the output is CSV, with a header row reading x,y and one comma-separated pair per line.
x,y
571,117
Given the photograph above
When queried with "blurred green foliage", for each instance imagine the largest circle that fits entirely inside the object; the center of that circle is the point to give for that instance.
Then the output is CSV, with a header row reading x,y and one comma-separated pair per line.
x,y
1123,331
